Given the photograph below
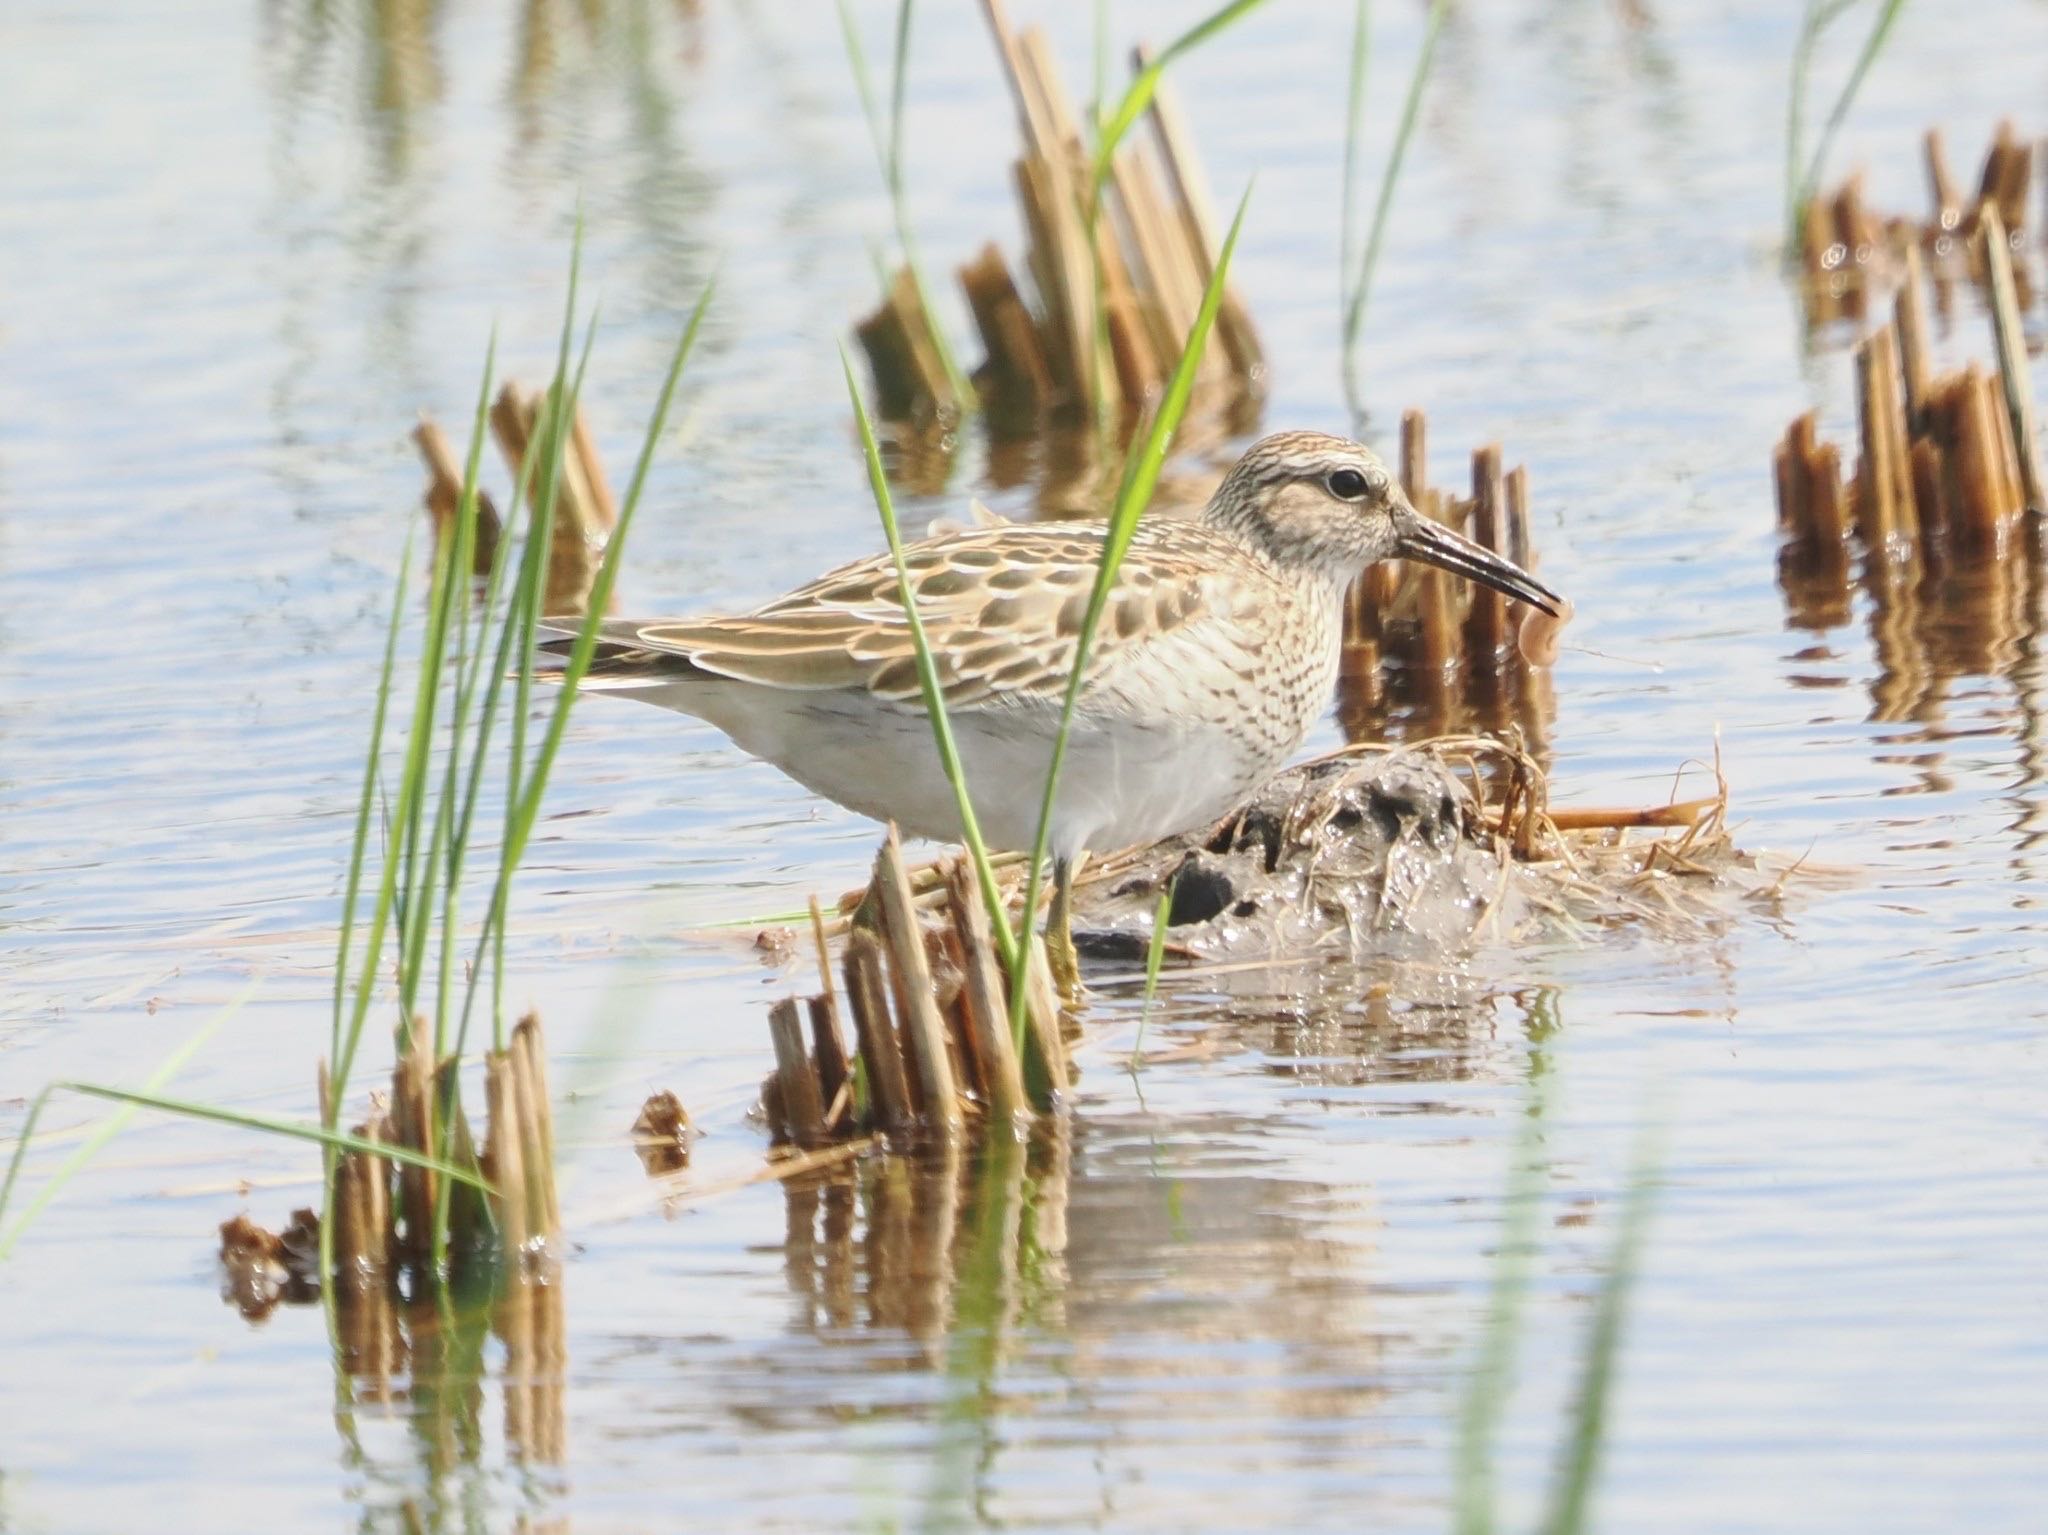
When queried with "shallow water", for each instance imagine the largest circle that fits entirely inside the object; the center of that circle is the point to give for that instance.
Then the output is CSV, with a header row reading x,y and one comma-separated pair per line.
x,y
249,243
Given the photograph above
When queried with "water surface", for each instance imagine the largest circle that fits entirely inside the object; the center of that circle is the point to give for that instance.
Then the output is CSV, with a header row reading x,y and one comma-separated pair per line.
x,y
250,242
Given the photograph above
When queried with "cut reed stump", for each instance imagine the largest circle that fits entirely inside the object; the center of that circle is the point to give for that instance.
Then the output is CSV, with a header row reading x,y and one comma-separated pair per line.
x,y
1145,252
386,1211
1463,654
1848,251
1947,461
585,510
928,1002
1948,466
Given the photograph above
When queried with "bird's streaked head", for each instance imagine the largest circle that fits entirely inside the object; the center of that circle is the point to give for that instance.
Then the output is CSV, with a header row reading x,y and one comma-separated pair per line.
x,y
1308,501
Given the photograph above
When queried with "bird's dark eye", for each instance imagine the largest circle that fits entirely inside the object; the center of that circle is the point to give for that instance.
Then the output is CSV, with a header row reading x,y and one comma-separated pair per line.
x,y
1347,485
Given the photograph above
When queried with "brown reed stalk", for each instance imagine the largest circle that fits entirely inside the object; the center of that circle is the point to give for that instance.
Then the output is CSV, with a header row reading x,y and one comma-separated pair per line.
x,y
924,1030
444,495
1909,317
2012,357
539,1126
802,1104
984,997
412,1101
506,1152
880,1048
1199,226
1941,183
1486,622
1047,1071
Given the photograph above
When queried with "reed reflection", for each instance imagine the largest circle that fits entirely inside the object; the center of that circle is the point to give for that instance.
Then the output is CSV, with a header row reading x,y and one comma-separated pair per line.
x,y
426,1363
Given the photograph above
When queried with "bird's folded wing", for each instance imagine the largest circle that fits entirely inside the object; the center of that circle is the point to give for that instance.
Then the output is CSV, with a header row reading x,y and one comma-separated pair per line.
x,y
1002,610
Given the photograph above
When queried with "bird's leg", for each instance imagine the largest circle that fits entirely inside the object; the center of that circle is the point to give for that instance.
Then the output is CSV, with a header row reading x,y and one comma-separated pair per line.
x,y
1059,931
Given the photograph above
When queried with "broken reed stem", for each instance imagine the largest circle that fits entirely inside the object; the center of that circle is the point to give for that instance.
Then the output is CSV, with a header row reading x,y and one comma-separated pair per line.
x,y
985,997
1438,630
881,1051
586,510
930,1016
507,1149
1948,463
1486,626
444,495
2012,358
923,1029
385,1209
1846,246
802,1106
537,1130
1116,283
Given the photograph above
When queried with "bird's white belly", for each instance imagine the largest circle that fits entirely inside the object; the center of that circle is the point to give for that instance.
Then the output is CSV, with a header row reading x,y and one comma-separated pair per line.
x,y
1123,781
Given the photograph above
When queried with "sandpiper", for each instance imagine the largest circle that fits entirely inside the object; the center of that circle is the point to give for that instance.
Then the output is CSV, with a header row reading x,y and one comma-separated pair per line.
x,y
1216,654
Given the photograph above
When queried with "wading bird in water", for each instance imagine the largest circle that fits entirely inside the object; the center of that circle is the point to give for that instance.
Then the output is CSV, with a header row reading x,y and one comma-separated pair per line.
x,y
1216,653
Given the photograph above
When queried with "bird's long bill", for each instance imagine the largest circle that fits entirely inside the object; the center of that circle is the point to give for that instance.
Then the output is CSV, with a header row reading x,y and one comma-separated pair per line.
x,y
1435,544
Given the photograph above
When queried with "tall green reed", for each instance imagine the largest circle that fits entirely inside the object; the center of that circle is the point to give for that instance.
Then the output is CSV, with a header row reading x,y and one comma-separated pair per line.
x,y
1819,15
1141,477
887,136
1491,1383
1111,127
1155,957
1355,280
928,680
461,676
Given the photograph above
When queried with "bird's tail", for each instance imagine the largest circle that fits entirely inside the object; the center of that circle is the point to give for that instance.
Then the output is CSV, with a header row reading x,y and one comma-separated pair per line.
x,y
619,662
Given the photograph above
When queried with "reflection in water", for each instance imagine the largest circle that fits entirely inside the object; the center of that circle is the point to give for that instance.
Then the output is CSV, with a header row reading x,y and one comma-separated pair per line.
x,y
1937,618
424,1362
1150,1272
1070,471
1383,700
1155,1281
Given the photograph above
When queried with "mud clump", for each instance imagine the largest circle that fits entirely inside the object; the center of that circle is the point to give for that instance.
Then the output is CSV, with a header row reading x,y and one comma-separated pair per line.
x,y
1381,852
1388,852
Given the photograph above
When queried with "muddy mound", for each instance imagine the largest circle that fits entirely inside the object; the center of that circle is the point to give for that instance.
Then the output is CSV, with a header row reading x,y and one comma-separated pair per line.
x,y
1387,851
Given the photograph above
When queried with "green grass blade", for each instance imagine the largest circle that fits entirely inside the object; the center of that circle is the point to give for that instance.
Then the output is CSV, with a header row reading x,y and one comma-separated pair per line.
x,y
412,783
1140,479
1873,45
928,681
105,1131
524,618
291,1129
1354,131
529,591
888,141
451,612
1361,287
600,592
1155,956
1138,95
864,84
1492,1378
899,74
522,809
1571,1494
466,678
365,804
